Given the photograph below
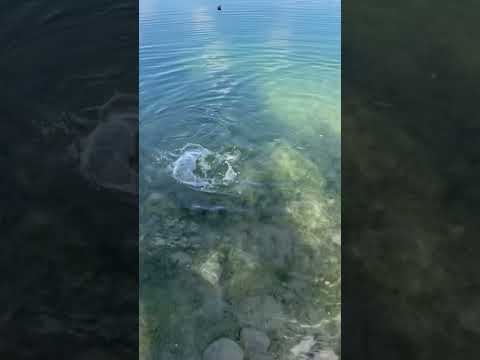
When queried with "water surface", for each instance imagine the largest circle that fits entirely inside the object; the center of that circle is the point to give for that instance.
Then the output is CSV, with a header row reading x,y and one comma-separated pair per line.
x,y
239,177
69,238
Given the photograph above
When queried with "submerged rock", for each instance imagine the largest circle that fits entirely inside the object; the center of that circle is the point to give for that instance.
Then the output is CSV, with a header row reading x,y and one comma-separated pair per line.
x,y
254,341
211,269
303,347
223,349
261,312
325,355
262,356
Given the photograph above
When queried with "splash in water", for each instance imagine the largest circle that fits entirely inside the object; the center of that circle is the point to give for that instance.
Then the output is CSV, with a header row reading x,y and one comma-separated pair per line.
x,y
204,170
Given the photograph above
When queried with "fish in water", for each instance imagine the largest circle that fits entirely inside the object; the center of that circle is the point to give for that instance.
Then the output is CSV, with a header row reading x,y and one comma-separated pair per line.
x,y
219,7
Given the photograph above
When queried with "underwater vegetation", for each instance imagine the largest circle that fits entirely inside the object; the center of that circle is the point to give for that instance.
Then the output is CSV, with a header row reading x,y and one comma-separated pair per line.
x,y
239,187
267,256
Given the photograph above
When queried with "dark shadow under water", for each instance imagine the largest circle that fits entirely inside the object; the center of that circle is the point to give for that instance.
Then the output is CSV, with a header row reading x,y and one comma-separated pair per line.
x,y
70,281
410,168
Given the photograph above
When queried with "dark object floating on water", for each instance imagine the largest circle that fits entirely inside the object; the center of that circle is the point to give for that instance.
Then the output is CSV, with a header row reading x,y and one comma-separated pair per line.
x,y
219,7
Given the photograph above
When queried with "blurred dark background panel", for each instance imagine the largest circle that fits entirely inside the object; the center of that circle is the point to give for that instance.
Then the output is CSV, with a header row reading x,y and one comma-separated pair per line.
x,y
410,175
68,184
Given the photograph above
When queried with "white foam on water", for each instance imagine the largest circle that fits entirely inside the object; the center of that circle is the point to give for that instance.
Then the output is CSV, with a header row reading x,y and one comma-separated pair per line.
x,y
230,175
183,169
202,169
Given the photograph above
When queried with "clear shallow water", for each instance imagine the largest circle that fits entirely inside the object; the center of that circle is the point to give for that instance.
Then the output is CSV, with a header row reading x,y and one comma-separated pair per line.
x,y
239,176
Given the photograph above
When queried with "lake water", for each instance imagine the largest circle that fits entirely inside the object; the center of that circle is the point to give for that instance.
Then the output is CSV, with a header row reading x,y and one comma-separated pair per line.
x,y
240,179
69,237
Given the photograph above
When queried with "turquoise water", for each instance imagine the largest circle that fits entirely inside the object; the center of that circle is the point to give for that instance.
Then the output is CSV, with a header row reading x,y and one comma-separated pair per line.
x,y
240,178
